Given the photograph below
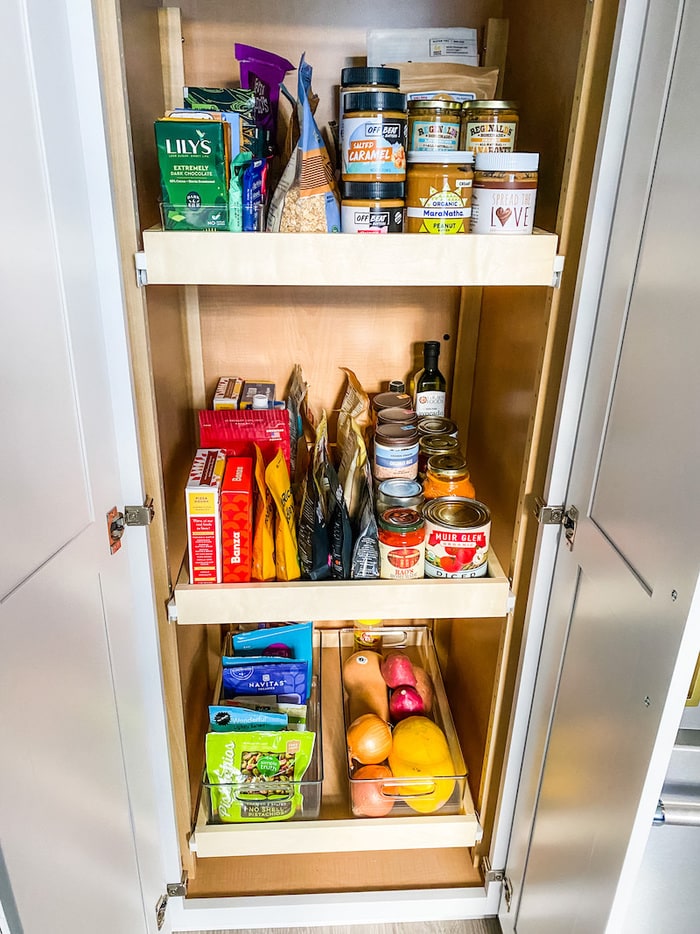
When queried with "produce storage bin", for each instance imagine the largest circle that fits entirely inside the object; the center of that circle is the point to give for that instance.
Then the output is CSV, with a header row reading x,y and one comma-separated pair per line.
x,y
441,793
303,796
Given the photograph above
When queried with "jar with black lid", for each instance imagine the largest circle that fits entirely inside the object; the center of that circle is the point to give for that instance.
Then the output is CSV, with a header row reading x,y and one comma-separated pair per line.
x,y
370,78
373,137
372,207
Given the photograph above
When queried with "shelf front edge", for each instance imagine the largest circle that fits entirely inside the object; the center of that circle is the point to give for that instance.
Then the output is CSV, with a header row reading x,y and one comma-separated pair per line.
x,y
278,602
337,836
221,258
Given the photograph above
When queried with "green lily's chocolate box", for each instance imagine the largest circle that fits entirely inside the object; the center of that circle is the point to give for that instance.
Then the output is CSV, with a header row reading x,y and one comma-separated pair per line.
x,y
194,157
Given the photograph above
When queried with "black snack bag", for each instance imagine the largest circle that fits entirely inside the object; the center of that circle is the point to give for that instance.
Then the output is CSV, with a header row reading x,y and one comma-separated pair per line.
x,y
365,553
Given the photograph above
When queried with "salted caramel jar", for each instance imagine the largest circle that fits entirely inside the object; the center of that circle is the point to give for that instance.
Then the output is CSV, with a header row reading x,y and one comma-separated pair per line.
x,y
505,190
439,192
373,135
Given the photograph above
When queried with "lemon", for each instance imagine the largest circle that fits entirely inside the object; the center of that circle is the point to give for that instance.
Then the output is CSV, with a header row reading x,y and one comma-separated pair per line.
x,y
419,749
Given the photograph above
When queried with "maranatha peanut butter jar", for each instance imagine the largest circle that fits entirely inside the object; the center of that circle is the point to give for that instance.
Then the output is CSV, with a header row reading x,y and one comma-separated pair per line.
x,y
504,192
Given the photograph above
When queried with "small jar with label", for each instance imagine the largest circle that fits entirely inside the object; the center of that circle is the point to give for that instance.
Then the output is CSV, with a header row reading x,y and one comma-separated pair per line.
x,y
365,635
372,207
489,126
505,190
373,137
434,125
395,452
447,475
401,544
429,445
396,492
439,192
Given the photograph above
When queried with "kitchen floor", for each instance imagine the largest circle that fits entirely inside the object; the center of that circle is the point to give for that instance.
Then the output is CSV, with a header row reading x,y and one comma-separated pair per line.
x,y
485,926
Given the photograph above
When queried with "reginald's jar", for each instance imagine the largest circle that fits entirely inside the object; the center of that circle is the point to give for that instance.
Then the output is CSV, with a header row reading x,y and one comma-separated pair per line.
x,y
489,126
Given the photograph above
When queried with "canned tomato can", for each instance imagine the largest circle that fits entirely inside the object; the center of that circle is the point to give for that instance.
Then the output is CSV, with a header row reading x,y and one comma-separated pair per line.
x,y
401,544
457,532
397,492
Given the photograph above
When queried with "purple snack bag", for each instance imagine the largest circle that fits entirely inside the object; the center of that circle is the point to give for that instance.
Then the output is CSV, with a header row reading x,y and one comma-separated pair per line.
x,y
263,72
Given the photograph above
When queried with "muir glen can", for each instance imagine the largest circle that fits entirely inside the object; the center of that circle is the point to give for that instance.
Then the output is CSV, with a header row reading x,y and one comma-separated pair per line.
x,y
457,534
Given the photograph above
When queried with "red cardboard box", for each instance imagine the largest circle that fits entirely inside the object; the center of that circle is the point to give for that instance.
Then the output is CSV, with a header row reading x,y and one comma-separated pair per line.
x,y
237,520
238,431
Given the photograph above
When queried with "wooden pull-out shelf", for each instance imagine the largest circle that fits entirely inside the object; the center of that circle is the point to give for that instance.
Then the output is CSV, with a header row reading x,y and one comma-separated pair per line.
x,y
277,602
335,830
182,257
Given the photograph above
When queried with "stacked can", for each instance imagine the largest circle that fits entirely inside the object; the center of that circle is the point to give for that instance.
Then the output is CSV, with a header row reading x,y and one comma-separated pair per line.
x,y
373,150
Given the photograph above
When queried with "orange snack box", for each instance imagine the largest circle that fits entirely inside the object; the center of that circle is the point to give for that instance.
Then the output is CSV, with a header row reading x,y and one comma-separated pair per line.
x,y
202,499
237,520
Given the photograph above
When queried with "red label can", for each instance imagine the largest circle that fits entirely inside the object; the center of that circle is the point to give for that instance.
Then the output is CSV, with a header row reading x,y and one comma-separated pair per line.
x,y
457,532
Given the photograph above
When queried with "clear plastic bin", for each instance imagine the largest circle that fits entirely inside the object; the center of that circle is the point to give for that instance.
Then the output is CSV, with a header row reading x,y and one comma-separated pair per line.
x,y
442,793
277,800
194,217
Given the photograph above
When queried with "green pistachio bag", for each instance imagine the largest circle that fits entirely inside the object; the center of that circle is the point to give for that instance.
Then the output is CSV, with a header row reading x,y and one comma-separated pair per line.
x,y
257,776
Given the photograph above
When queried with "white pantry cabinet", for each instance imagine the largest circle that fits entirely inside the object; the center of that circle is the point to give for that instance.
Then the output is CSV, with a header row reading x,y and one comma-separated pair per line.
x,y
206,305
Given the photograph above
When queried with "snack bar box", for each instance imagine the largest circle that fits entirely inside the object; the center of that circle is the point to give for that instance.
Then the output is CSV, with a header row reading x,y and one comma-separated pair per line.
x,y
570,356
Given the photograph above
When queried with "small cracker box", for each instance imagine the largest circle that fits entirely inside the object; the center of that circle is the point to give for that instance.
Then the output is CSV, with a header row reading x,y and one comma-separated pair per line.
x,y
237,520
228,393
203,505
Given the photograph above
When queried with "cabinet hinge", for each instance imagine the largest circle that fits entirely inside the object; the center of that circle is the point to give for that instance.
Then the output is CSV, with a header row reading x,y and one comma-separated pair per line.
x,y
140,515
141,268
492,876
558,515
132,515
557,270
173,890
178,889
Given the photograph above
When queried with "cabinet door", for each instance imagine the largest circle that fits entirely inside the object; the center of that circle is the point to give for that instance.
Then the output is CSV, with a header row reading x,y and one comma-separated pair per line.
x,y
622,627
72,637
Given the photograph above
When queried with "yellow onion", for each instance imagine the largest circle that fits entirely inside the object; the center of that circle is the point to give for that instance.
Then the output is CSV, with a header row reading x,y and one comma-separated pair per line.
x,y
369,739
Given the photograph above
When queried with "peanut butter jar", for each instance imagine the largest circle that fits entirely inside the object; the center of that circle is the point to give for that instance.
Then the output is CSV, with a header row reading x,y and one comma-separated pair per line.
x,y
439,192
505,190
489,126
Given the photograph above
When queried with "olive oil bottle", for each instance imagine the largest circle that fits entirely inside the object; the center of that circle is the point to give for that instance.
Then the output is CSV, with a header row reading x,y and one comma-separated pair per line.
x,y
430,385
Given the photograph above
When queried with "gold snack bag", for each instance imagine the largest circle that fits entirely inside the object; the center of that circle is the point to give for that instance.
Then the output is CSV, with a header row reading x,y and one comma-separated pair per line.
x,y
264,526
286,555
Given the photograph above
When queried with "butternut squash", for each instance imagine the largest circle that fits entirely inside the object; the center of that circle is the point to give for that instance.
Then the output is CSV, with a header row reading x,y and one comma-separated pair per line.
x,y
365,686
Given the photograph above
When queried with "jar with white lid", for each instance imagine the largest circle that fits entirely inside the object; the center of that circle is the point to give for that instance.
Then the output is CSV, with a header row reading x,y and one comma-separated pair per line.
x,y
439,192
505,190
